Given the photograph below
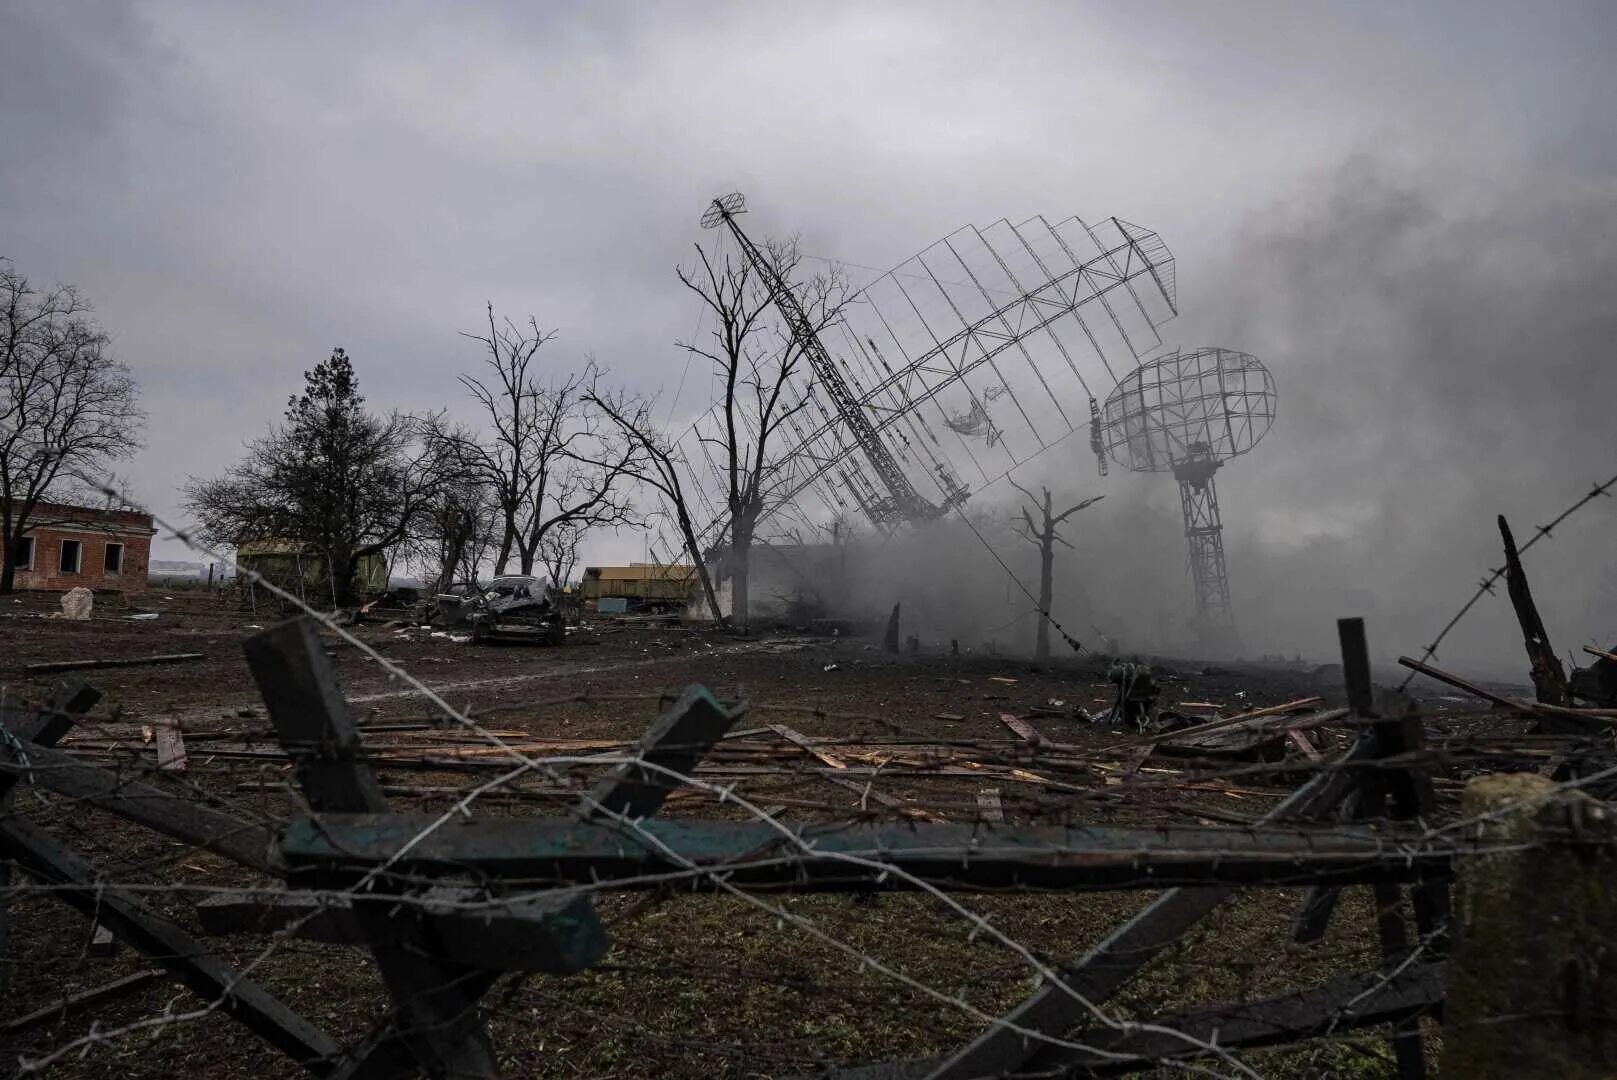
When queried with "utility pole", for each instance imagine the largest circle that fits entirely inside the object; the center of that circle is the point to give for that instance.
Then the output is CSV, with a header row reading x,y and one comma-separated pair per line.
x,y
1045,536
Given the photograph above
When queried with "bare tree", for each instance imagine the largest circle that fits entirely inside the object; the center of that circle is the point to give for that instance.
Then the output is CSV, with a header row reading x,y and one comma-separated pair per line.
x,y
67,409
550,463
1044,535
455,537
558,551
659,468
755,358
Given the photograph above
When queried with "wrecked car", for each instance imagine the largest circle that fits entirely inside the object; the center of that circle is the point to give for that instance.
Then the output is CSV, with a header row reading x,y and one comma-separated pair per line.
x,y
514,607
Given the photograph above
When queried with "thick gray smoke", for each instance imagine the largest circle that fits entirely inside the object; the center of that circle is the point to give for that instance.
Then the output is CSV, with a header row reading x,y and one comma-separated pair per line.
x,y
1440,360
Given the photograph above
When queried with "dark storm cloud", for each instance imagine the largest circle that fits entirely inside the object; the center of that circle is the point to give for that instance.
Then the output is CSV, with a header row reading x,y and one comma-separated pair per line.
x,y
1403,209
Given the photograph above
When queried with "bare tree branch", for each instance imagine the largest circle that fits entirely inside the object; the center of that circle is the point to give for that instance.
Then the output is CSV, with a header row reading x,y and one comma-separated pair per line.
x,y
67,409
549,461
756,361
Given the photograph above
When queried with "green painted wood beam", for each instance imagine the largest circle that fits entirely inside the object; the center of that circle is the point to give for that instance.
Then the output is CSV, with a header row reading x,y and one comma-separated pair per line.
x,y
959,856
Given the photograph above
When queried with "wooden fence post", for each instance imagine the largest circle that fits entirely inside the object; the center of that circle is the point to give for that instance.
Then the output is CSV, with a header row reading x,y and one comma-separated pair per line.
x,y
1532,987
438,1021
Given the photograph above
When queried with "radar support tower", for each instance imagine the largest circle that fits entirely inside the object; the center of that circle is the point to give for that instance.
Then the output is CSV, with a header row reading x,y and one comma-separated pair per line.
x,y
902,502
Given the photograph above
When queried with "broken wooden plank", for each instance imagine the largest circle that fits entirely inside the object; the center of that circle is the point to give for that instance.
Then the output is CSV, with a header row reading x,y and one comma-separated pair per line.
x,y
102,943
867,792
1300,740
189,959
1021,728
190,820
959,855
681,736
62,1007
68,699
1246,717
127,661
802,742
438,1022
492,934
71,698
170,748
1501,700
989,806
1549,677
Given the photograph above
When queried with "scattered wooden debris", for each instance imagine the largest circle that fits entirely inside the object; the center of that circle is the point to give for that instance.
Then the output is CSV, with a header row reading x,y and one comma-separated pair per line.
x,y
1501,700
1301,741
1259,735
798,739
102,943
170,748
133,661
1601,653
117,988
1024,730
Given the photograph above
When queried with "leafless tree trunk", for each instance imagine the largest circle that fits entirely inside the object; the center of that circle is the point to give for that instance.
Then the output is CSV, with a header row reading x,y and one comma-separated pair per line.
x,y
66,408
756,359
550,462
1044,535
558,550
660,469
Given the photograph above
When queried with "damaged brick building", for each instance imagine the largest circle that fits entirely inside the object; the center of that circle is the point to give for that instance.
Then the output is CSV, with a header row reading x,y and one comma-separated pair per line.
x,y
68,546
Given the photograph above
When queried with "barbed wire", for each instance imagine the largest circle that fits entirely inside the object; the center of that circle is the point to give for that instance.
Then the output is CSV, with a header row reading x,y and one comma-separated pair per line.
x,y
554,769
526,764
1485,588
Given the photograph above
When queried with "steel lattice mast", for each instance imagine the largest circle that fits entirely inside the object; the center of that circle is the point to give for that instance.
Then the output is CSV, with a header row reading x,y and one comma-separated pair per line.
x,y
1188,413
903,502
1204,529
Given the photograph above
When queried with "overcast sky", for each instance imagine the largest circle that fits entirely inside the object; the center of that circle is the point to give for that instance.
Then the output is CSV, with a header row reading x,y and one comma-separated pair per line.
x,y
1407,211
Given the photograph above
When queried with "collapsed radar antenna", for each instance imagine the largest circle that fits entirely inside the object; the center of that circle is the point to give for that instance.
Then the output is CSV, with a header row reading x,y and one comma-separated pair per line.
x,y
1188,413
722,208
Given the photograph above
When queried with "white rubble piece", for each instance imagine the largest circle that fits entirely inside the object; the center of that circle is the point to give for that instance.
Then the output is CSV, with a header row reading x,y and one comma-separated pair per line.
x,y
77,602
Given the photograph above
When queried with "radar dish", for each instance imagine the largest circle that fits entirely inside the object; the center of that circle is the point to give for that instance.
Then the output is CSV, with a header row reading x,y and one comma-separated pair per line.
x,y
1209,404
733,203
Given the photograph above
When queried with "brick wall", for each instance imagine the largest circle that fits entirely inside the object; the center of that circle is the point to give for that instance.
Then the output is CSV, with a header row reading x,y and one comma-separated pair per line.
x,y
94,536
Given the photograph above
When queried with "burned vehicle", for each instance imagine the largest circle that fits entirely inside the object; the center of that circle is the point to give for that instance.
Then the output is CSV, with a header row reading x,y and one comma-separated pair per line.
x,y
515,608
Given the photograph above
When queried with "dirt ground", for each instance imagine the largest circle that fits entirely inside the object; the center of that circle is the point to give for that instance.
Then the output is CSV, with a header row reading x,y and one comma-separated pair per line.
x,y
694,985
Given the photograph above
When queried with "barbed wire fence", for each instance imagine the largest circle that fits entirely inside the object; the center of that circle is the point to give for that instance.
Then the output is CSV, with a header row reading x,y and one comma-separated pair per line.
x,y
1085,779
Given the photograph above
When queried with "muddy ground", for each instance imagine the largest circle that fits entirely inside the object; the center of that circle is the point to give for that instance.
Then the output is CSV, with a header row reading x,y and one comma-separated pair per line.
x,y
694,986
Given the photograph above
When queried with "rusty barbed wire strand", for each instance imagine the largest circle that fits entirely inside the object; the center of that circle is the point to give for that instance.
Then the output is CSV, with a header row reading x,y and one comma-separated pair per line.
x,y
1485,588
726,795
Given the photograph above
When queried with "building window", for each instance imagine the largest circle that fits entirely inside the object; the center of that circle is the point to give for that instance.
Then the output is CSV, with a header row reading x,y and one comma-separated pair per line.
x,y
71,550
22,556
115,559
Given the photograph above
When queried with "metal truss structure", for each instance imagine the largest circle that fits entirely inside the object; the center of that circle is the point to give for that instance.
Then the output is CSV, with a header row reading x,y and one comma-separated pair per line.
x,y
1188,413
901,502
953,368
